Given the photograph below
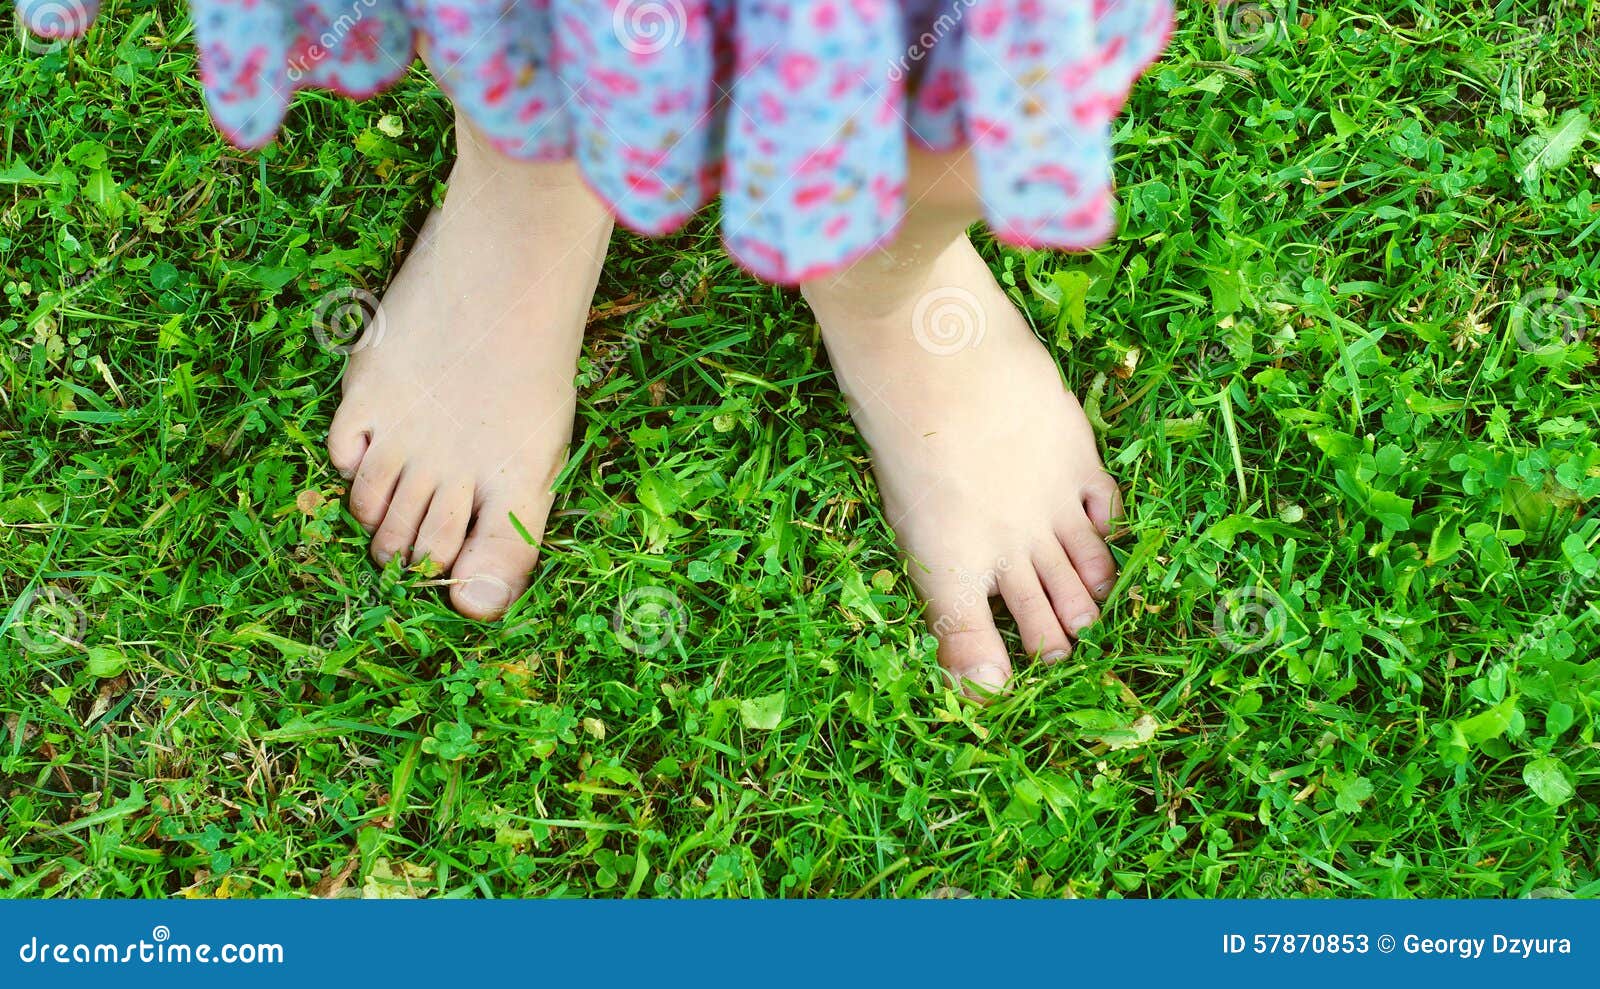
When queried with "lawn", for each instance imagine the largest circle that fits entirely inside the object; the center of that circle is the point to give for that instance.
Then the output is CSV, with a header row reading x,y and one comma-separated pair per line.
x,y
1343,353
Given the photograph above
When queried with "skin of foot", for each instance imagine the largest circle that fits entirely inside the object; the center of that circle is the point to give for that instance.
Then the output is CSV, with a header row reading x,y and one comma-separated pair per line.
x,y
458,398
986,463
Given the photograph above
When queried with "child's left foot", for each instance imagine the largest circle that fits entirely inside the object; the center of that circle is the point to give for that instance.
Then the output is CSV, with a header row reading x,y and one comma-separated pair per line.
x,y
987,464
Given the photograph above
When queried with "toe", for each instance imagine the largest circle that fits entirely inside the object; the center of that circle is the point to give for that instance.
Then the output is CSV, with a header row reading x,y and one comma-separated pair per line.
x,y
1090,555
495,563
970,647
1070,599
407,507
373,487
444,529
1102,503
1036,620
348,439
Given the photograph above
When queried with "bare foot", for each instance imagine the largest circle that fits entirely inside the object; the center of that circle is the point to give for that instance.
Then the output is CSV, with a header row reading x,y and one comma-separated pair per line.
x,y
987,464
458,404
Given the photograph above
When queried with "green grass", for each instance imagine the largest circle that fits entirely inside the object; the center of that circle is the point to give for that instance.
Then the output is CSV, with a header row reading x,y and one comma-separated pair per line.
x,y
1311,350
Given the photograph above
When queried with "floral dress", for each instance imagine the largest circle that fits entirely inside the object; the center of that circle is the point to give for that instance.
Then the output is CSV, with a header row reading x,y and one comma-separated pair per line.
x,y
797,113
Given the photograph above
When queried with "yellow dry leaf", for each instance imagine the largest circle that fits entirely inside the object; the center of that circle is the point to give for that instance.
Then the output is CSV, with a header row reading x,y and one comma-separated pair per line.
x,y
396,881
1133,736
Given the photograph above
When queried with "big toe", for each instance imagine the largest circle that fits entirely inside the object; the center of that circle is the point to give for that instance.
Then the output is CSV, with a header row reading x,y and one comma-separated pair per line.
x,y
495,564
970,647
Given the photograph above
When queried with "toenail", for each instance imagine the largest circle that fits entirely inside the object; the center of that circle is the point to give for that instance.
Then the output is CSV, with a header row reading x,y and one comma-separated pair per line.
x,y
1082,622
1057,656
486,593
989,677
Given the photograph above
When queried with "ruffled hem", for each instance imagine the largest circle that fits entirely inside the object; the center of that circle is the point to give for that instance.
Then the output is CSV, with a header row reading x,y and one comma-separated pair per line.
x,y
798,114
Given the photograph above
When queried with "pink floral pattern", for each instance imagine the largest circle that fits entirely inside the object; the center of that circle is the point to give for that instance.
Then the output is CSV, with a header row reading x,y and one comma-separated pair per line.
x,y
796,112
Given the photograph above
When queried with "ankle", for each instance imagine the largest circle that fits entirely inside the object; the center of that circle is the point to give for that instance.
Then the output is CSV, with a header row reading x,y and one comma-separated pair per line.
x,y
888,284
879,285
537,205
553,182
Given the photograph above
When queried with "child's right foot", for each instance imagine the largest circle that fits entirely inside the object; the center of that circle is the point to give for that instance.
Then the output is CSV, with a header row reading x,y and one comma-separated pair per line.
x,y
458,406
